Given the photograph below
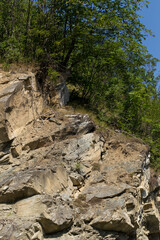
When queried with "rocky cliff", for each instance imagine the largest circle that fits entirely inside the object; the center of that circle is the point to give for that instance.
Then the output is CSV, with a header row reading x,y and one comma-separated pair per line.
x,y
62,179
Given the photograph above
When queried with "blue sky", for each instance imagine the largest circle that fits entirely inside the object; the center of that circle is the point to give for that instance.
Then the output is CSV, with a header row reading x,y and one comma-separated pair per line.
x,y
151,19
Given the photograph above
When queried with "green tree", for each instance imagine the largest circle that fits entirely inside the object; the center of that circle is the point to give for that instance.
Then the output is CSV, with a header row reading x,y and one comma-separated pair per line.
x,y
100,43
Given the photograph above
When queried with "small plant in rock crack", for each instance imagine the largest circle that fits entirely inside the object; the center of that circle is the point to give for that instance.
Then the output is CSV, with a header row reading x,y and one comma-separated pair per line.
x,y
78,167
96,167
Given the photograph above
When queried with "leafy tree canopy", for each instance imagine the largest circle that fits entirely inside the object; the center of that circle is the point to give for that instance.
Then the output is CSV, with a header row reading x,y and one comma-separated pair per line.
x,y
100,43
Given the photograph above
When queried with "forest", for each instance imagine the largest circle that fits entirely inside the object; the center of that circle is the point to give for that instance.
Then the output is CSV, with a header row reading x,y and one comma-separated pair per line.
x,y
100,42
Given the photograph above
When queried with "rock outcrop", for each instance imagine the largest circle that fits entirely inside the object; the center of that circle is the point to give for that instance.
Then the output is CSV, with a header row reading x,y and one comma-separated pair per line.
x,y
60,178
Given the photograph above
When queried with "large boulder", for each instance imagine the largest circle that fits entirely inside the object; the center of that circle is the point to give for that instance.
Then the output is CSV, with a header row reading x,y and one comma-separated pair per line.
x,y
27,183
54,216
113,221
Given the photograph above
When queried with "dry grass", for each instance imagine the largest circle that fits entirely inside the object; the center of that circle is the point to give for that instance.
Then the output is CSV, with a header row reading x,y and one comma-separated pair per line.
x,y
19,67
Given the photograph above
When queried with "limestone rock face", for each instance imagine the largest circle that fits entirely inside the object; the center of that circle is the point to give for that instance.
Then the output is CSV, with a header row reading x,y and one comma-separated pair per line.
x,y
20,103
61,178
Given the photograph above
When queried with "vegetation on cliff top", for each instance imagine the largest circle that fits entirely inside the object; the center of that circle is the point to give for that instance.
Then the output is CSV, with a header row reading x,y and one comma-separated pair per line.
x,y
100,43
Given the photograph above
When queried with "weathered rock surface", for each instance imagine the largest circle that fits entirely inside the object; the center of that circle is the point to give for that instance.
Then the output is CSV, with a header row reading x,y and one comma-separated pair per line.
x,y
20,103
61,179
